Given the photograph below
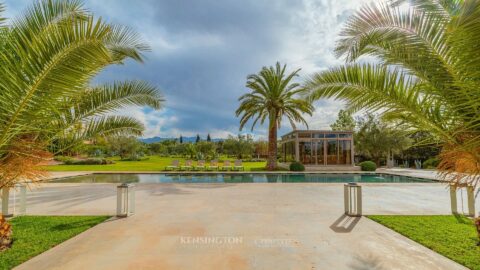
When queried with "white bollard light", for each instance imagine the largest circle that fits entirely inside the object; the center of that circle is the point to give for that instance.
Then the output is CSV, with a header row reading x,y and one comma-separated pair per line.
x,y
125,200
21,189
352,193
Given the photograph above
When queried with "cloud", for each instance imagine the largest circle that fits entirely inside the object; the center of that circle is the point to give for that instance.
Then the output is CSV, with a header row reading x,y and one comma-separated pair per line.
x,y
202,52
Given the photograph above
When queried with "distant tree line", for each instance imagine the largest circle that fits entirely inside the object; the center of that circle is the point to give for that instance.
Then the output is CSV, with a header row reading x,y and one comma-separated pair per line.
x,y
130,148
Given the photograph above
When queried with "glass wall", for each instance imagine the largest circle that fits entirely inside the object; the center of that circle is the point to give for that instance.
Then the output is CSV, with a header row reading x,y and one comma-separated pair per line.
x,y
332,152
306,153
344,152
318,148
289,151
320,152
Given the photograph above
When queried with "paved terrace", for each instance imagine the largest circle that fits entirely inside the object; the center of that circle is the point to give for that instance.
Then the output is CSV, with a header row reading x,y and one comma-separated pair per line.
x,y
266,225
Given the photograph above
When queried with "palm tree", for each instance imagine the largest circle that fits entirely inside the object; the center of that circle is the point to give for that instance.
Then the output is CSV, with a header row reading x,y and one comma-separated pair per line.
x,y
273,96
48,58
427,76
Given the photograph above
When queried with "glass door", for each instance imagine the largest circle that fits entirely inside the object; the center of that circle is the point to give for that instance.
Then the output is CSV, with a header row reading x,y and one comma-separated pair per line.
x,y
344,152
320,153
306,156
332,148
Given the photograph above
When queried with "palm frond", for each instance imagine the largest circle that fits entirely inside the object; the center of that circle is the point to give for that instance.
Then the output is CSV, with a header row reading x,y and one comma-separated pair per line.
x,y
379,88
412,39
273,95
113,97
447,8
48,57
2,10
98,126
427,77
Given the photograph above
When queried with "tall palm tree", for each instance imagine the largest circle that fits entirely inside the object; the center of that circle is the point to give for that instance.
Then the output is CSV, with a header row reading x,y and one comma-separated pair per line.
x,y
48,58
273,96
427,76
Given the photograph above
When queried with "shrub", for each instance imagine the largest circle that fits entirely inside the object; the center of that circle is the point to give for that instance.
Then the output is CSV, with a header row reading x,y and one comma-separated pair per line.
x,y
297,167
62,158
89,161
431,163
253,160
368,166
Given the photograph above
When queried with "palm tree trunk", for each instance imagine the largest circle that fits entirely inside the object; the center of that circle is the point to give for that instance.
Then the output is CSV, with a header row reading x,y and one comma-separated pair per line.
x,y
272,147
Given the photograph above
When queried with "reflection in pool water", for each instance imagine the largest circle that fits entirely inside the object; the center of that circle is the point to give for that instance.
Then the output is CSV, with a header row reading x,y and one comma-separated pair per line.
x,y
241,178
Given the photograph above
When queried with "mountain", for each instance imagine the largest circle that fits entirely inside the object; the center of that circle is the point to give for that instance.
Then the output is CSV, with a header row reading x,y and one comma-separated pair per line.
x,y
185,139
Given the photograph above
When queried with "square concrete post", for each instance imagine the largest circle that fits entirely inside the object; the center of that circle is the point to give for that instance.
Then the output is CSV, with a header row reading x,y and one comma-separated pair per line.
x,y
359,201
125,200
453,199
5,198
22,199
471,201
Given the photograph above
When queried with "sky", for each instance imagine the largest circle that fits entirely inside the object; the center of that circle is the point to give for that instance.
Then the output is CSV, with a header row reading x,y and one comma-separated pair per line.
x,y
203,50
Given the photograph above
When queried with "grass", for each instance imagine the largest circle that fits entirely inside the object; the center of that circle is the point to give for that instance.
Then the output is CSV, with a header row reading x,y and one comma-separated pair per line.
x,y
454,237
153,163
33,235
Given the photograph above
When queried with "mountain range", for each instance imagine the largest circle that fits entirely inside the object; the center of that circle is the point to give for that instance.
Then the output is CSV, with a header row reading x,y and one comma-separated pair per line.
x,y
185,139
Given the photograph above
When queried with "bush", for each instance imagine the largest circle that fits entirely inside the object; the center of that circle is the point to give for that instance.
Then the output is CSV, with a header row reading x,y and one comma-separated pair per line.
x,y
431,163
253,160
89,161
368,166
297,167
63,159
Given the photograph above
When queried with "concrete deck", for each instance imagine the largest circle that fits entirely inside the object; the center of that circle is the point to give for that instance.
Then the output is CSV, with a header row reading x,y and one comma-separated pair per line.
x,y
428,174
239,226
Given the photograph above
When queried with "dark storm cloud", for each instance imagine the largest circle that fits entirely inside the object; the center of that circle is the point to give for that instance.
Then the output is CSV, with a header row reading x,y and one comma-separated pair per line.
x,y
202,52
212,47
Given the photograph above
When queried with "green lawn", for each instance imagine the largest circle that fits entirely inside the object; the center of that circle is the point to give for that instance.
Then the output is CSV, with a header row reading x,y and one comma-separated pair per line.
x,y
454,237
33,235
153,163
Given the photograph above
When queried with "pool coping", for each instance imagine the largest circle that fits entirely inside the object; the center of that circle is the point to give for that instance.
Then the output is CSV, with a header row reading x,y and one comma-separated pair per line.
x,y
242,172
82,173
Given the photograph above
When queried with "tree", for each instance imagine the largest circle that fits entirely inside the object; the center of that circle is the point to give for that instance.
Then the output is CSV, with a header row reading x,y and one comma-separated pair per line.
x,y
375,139
344,122
273,96
422,148
158,148
261,148
181,139
208,138
48,58
206,149
428,76
240,146
126,147
197,140
190,150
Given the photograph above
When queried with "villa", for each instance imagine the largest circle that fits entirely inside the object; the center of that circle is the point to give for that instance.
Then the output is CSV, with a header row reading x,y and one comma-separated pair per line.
x,y
99,169
318,149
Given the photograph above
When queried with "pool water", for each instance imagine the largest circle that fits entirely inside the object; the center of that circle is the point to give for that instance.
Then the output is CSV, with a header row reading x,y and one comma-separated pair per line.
x,y
241,178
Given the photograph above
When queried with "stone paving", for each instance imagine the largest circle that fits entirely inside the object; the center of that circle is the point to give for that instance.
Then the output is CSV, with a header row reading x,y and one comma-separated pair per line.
x,y
239,226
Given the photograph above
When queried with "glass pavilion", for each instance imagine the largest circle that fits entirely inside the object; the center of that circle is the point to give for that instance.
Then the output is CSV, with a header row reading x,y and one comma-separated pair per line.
x,y
318,147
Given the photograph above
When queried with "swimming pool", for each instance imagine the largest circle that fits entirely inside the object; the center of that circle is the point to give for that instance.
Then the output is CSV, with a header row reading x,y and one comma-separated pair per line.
x,y
241,178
